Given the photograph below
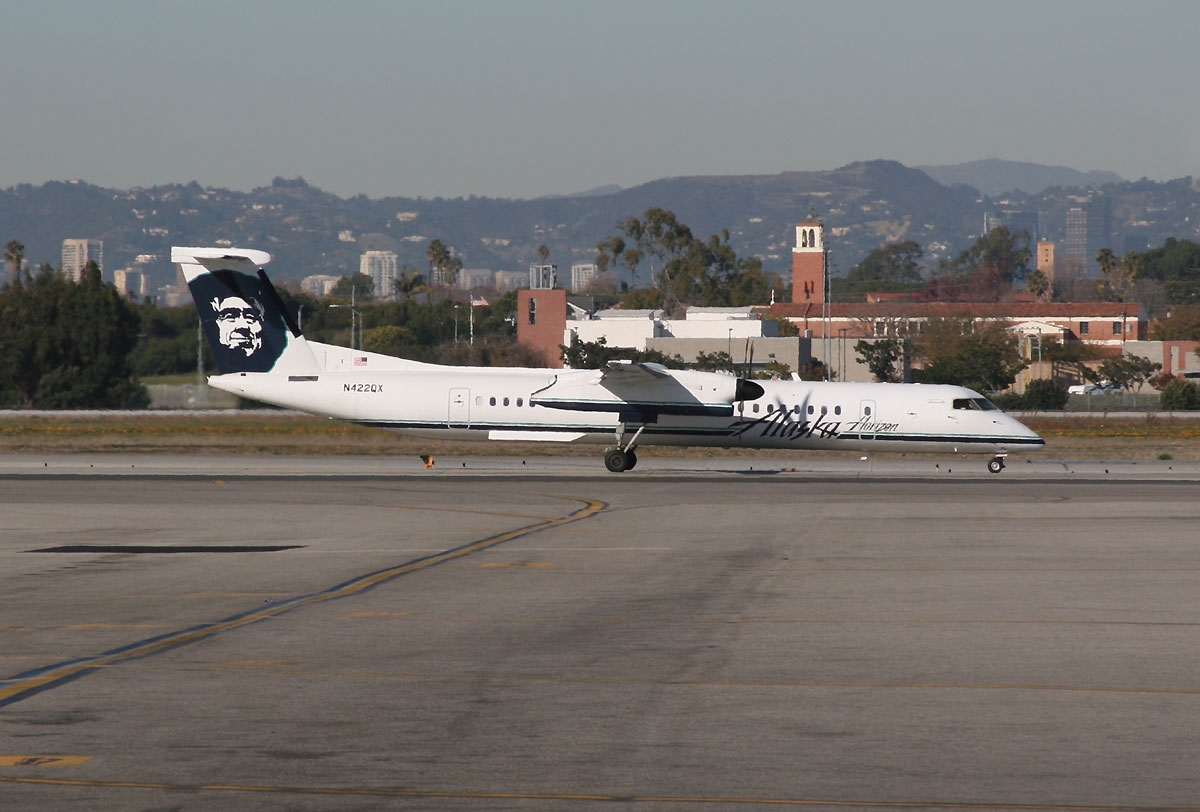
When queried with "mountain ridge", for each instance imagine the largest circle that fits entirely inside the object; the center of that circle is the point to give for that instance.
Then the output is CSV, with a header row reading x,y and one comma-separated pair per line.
x,y
863,204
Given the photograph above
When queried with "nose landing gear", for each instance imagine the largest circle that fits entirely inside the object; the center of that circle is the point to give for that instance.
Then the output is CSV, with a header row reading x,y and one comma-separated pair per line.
x,y
621,459
617,460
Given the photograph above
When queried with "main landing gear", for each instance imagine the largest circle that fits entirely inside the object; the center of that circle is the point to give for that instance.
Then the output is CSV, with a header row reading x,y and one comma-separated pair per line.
x,y
622,458
996,464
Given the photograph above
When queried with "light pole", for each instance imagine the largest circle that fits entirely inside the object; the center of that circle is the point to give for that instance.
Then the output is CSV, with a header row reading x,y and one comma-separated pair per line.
x,y
355,317
456,322
842,352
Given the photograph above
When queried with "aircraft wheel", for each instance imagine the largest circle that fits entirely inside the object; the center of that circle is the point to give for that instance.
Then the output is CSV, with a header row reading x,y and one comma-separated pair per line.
x,y
616,460
630,460
996,465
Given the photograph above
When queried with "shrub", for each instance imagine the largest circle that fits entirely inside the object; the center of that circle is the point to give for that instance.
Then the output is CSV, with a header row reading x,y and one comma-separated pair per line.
x,y
1045,394
1179,395
1009,401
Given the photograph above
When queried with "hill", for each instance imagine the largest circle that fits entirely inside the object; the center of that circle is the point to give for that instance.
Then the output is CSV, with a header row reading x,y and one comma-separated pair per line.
x,y
863,204
994,177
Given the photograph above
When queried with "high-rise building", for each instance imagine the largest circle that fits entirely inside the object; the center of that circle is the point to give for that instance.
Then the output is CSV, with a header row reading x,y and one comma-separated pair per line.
x,y
1014,220
582,275
471,278
130,283
318,285
1089,228
381,267
76,254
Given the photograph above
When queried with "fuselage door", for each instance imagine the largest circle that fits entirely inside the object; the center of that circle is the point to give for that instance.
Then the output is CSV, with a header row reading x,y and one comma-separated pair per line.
x,y
460,408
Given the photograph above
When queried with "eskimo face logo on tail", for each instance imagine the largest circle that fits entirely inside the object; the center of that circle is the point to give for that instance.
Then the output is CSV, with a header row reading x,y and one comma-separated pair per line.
x,y
243,329
239,324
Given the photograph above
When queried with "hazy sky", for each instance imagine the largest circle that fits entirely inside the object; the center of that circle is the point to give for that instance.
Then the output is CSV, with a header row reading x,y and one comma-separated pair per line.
x,y
525,98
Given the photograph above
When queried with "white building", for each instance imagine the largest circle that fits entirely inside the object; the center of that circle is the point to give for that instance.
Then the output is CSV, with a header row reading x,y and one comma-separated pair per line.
x,y
734,331
318,285
582,275
130,283
471,278
76,254
511,280
633,328
381,266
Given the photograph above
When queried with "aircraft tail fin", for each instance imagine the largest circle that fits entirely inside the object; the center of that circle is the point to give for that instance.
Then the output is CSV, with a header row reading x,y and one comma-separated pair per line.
x,y
247,325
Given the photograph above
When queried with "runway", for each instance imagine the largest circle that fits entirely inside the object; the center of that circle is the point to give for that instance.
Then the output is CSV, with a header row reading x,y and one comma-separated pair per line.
x,y
360,634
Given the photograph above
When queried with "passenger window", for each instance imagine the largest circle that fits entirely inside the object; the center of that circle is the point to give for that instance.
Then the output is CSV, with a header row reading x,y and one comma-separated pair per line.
x,y
491,401
824,409
755,408
519,403
796,409
837,409
770,408
506,401
866,411
810,409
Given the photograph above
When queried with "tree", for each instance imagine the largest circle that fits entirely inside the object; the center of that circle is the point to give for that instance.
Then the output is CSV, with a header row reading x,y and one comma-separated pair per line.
x,y
986,271
1176,265
14,255
67,345
881,357
1116,276
1128,371
443,265
894,262
1182,323
595,354
358,286
409,282
1039,285
689,270
1045,394
714,362
986,360
1179,395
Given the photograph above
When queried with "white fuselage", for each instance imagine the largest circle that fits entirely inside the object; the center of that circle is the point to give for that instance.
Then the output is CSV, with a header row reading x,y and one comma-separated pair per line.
x,y
472,403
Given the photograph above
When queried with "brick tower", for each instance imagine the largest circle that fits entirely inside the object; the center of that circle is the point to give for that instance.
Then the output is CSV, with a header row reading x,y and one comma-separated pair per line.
x,y
808,262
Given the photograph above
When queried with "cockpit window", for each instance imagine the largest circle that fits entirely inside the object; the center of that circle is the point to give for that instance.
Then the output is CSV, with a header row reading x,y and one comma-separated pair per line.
x,y
975,404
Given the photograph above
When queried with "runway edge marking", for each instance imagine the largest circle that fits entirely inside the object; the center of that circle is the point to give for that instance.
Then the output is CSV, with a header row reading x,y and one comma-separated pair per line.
x,y
22,686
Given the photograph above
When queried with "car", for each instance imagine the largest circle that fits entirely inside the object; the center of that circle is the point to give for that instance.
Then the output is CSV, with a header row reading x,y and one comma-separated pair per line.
x,y
1093,388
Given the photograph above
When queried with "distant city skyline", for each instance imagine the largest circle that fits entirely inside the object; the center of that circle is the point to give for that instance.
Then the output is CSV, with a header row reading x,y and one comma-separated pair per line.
x,y
536,97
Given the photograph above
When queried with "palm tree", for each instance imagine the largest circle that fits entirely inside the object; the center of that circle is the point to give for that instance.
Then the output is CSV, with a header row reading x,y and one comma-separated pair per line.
x,y
453,268
439,258
14,255
409,282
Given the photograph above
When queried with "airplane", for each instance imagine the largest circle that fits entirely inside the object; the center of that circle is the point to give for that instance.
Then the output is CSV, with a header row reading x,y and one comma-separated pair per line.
x,y
261,354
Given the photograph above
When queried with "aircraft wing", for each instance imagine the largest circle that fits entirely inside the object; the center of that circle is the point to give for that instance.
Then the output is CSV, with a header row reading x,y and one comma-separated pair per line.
x,y
626,372
641,391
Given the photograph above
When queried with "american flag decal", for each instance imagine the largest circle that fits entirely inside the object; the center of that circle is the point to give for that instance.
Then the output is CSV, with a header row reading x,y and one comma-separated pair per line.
x,y
360,360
